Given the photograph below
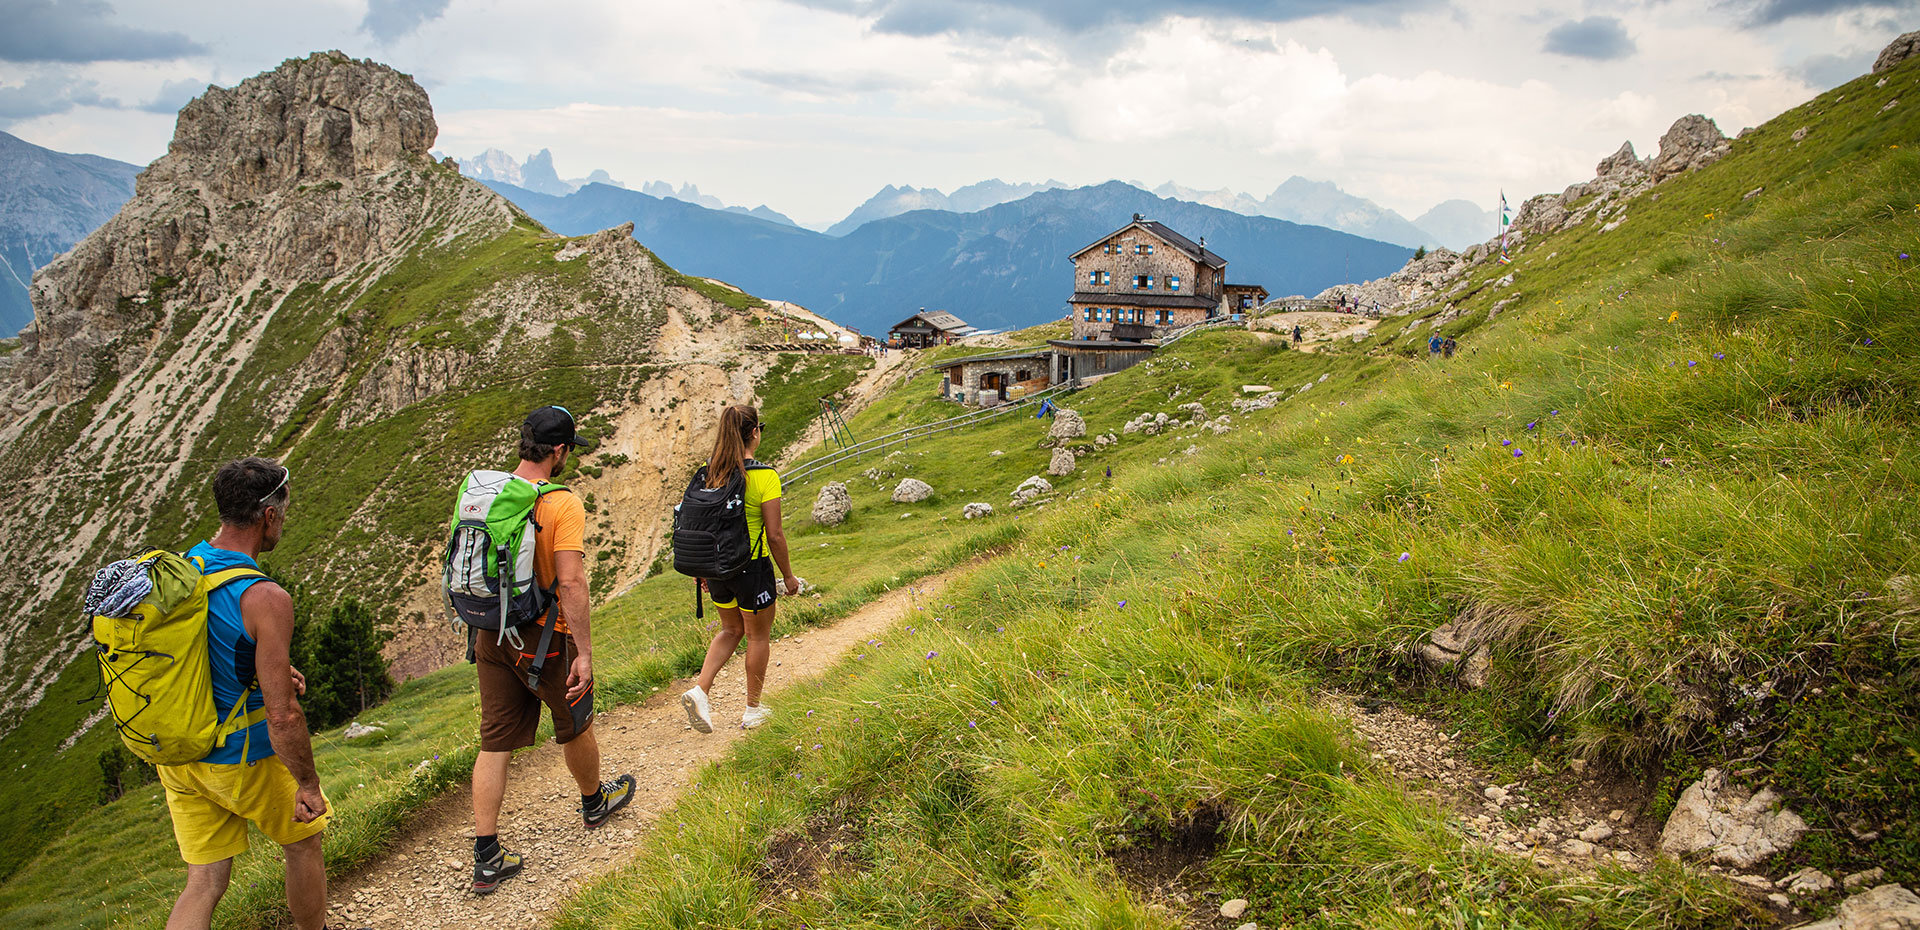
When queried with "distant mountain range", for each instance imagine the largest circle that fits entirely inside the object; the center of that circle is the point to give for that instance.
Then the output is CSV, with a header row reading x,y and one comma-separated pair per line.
x,y
893,201
1002,267
1455,224
48,201
537,174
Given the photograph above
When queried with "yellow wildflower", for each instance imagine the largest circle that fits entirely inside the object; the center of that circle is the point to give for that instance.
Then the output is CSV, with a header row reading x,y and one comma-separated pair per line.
x,y
1675,315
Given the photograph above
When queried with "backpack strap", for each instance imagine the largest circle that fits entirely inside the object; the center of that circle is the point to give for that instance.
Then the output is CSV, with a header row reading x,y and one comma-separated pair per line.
x,y
239,719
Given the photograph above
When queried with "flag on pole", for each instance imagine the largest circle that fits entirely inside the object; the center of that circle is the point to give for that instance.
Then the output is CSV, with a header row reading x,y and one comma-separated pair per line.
x,y
1506,220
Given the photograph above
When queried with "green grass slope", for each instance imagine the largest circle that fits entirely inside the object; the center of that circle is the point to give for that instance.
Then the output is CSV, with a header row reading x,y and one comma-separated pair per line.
x,y
1679,471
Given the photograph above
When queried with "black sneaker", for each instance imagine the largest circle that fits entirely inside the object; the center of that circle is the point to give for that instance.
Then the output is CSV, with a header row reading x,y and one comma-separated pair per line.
x,y
488,875
613,795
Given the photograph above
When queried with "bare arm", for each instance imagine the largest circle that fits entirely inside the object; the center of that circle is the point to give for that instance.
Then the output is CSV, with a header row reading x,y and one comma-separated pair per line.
x,y
570,571
777,543
267,611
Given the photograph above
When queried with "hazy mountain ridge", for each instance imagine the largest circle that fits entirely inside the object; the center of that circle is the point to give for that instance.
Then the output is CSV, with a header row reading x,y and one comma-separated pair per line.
x,y
1002,267
537,174
1454,224
892,201
48,201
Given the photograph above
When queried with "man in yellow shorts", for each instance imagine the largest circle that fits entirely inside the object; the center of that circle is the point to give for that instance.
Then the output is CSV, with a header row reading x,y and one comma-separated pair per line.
x,y
265,773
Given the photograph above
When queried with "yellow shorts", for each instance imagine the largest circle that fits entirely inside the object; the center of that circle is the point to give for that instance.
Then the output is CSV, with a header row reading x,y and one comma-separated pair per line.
x,y
211,805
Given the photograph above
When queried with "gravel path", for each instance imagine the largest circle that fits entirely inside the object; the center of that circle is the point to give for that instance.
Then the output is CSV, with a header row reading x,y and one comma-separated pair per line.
x,y
424,884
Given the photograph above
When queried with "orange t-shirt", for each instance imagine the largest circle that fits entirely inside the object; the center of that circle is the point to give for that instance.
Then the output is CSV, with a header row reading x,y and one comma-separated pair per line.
x,y
562,519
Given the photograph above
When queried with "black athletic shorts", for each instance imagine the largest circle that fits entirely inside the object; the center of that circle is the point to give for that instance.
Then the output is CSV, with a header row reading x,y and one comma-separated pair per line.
x,y
753,589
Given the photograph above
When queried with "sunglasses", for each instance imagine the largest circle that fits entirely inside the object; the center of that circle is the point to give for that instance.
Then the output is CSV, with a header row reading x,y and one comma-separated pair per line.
x,y
285,474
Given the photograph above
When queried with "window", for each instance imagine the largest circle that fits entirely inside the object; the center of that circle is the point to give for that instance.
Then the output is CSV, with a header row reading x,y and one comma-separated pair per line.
x,y
1090,314
1113,248
1173,282
1093,277
1144,248
1142,281
1106,278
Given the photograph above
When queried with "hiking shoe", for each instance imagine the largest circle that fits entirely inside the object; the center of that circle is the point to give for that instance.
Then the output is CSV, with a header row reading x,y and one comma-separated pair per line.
x,y
613,795
488,875
699,711
754,716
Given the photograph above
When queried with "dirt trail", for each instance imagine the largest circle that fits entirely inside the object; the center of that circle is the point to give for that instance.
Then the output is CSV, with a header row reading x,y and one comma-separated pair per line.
x,y
1320,327
424,883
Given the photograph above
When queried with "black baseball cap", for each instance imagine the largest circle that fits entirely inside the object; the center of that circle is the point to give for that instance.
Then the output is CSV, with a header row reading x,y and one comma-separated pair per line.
x,y
553,426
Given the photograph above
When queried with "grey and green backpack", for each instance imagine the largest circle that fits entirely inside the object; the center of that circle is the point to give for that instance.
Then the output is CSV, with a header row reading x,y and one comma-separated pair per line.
x,y
488,570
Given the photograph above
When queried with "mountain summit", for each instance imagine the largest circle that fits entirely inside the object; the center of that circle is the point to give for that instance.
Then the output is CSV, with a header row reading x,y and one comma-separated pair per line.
x,y
48,201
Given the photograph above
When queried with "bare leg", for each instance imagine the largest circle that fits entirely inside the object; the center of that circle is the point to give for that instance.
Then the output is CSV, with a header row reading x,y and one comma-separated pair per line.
x,y
489,790
759,625
583,760
732,630
307,883
205,885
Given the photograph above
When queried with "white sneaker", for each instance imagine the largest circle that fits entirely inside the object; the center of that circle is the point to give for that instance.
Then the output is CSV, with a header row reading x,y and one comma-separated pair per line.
x,y
754,716
699,711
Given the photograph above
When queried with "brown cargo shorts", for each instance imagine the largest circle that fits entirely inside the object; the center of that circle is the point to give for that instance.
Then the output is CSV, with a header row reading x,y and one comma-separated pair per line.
x,y
509,710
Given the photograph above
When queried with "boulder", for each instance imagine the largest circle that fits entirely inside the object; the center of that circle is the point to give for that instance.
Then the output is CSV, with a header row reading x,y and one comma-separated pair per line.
x,y
1031,488
1897,51
1195,412
1691,143
1464,642
833,505
1067,425
911,491
1062,463
976,509
1886,907
1729,823
356,730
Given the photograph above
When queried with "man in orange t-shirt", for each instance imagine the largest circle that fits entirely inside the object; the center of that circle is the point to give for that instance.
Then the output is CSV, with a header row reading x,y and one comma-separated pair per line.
x,y
509,707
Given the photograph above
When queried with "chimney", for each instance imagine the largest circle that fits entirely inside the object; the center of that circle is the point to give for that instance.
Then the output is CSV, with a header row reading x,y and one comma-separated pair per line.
x,y
1138,217
1203,242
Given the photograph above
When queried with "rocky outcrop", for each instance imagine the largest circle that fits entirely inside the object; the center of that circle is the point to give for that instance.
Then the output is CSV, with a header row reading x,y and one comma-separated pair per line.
x,y
1031,488
1067,425
1729,823
1062,463
1885,907
976,509
911,491
832,505
1691,143
1897,51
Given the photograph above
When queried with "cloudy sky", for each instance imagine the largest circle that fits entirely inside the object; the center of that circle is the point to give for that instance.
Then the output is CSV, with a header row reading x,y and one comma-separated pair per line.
x,y
810,106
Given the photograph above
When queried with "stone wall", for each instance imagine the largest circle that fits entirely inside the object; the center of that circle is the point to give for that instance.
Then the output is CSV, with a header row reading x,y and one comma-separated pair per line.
x,y
1021,376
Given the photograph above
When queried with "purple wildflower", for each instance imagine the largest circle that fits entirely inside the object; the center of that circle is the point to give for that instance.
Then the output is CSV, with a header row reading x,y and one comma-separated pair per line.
x,y
1691,363
1869,340
809,713
1903,256
1506,442
932,654
999,629
1553,413
1719,355
816,745
1518,453
993,703
972,726
1533,424
1123,603
1405,556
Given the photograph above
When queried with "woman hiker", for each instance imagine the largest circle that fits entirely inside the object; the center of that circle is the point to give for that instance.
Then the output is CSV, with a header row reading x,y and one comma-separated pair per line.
x,y
745,601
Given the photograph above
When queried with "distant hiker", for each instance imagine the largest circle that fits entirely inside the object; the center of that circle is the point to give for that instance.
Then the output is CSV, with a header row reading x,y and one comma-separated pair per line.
x,y
1434,343
732,508
529,629
1447,347
1297,333
262,769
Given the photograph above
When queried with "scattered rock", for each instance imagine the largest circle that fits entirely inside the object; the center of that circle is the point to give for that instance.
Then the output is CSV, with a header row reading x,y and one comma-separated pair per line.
x,y
356,731
1867,877
1749,195
1062,464
1897,51
1730,823
1808,881
1887,907
911,491
906,515
1799,134
1234,908
1067,425
833,505
996,452
976,509
1254,389
1579,849
1031,488
1495,793
1195,412
1466,638
1596,833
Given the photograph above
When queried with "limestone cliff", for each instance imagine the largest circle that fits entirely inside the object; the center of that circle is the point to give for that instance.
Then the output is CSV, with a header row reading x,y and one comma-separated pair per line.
x,y
297,277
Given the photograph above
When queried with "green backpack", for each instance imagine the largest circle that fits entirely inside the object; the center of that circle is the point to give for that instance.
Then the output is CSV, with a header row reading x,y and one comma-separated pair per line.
x,y
154,662
487,569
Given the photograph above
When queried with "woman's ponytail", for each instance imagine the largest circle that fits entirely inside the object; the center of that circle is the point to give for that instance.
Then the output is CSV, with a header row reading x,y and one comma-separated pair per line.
x,y
729,457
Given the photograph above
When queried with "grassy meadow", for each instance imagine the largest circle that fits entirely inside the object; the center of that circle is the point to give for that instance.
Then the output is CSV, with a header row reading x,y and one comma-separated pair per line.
x,y
1679,471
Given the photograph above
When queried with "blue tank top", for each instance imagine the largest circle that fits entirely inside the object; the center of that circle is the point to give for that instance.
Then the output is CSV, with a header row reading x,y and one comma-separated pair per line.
x,y
231,650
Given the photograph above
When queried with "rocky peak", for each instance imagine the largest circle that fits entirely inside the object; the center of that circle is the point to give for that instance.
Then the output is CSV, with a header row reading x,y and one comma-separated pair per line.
x,y
1620,162
1691,143
322,118
1897,51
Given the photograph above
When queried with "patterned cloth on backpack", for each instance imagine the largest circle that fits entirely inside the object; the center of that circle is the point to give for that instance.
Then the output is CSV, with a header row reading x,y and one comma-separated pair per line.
x,y
119,588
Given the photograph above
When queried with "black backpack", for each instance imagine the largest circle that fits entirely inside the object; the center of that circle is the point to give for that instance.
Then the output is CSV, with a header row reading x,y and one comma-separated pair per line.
x,y
710,527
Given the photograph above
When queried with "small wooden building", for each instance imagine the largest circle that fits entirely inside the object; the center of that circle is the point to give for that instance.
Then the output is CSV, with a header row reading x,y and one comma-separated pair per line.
x,y
1074,359
928,328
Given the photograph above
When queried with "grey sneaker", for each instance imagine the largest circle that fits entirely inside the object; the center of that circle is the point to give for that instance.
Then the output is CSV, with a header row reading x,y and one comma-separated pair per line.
x,y
699,710
488,875
613,795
